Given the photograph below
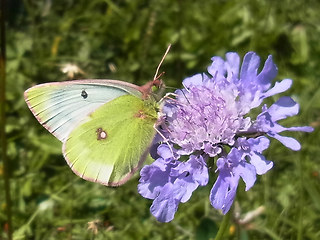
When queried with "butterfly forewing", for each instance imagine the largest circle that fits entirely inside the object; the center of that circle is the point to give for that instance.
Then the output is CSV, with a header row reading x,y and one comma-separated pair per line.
x,y
113,141
60,107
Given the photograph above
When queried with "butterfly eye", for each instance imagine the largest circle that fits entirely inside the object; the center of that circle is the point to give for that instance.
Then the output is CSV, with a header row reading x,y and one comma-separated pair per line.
x,y
84,94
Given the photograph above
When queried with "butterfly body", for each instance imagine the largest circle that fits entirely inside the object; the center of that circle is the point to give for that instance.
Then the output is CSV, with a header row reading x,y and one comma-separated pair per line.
x,y
106,126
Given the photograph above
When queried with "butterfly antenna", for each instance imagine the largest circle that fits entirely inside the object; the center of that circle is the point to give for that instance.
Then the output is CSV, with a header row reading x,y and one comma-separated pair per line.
x,y
164,56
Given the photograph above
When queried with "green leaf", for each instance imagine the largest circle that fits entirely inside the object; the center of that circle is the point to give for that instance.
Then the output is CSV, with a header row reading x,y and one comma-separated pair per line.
x,y
207,229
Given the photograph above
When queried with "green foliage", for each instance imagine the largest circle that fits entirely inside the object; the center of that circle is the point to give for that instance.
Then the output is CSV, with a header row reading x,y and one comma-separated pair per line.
x,y
125,40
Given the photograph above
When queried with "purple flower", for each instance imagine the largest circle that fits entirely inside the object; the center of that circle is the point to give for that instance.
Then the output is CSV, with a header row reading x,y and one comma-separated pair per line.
x,y
267,122
211,119
169,182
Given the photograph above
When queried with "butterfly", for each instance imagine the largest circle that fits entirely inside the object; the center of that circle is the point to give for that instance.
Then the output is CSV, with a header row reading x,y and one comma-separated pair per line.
x,y
106,126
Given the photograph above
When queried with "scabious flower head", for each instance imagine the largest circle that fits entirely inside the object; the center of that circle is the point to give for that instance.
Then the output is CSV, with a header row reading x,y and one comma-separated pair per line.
x,y
210,119
205,115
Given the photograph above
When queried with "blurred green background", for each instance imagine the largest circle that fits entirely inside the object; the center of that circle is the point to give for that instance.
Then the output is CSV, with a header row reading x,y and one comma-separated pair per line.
x,y
126,40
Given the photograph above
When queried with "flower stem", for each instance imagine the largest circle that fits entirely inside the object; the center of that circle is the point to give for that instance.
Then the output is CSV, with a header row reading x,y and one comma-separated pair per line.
x,y
301,200
3,118
224,226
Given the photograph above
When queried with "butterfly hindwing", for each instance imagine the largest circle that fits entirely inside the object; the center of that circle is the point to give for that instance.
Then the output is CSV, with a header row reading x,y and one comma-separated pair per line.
x,y
59,107
109,145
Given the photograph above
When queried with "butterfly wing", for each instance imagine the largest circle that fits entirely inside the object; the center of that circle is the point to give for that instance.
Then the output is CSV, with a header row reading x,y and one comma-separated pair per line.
x,y
113,141
60,106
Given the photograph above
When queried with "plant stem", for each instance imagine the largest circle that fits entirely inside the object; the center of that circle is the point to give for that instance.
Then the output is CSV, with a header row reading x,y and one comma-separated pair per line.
x,y
301,200
3,117
224,226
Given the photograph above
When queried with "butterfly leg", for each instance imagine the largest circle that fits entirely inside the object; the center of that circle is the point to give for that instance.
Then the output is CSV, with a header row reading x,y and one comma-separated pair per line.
x,y
168,96
163,137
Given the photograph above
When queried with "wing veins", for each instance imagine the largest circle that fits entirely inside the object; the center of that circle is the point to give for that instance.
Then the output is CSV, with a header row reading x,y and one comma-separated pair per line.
x,y
66,113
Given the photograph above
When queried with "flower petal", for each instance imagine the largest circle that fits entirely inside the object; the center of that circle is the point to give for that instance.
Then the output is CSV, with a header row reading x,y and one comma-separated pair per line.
x,y
223,191
247,173
164,151
217,69
279,87
194,80
260,163
153,178
249,68
164,206
198,170
232,65
183,189
289,142
268,73
283,108
300,129
258,144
